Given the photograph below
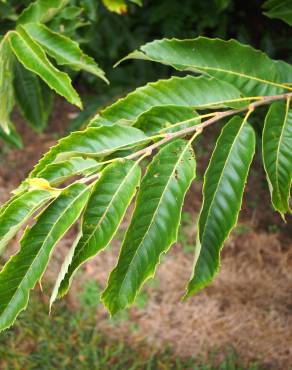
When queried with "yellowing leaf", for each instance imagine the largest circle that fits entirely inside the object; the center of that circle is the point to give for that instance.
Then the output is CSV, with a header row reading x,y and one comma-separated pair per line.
x,y
41,184
116,6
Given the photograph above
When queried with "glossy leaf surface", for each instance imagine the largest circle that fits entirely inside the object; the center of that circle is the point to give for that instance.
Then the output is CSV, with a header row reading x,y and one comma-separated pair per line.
x,y
223,188
19,211
93,142
189,91
108,203
277,154
56,173
33,58
64,50
24,269
154,224
41,11
255,74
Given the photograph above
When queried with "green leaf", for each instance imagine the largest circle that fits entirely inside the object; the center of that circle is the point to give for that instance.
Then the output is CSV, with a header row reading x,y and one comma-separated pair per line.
x,y
9,201
285,71
256,74
13,138
6,86
280,9
41,11
222,4
172,118
56,173
137,2
24,269
64,50
70,13
223,188
30,99
90,9
105,210
19,211
48,97
93,142
154,224
64,269
196,92
277,155
33,58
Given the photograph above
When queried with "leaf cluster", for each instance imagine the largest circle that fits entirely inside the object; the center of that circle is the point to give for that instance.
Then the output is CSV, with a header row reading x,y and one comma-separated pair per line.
x,y
92,176
36,39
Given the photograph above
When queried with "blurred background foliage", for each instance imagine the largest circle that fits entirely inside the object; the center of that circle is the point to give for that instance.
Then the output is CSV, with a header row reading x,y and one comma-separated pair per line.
x,y
112,36
108,36
108,30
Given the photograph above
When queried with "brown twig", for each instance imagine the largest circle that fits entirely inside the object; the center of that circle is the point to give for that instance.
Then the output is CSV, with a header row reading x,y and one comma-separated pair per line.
x,y
217,116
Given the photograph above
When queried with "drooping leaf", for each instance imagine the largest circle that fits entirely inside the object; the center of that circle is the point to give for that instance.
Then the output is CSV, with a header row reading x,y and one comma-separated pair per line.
x,y
12,138
64,269
6,86
41,11
23,270
30,99
105,210
280,9
33,58
56,173
166,117
64,50
19,211
92,142
255,74
189,91
277,155
154,224
48,97
223,188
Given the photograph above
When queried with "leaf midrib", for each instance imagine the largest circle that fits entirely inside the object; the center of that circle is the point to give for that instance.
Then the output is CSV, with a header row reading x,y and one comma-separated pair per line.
x,y
278,148
31,212
42,63
41,250
106,211
240,74
219,181
216,69
156,210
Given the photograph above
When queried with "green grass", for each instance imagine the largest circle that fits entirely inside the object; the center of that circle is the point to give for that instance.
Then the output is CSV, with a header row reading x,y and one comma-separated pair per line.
x,y
70,339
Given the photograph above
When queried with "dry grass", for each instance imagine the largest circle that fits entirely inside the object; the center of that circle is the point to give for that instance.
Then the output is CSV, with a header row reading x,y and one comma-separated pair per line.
x,y
248,306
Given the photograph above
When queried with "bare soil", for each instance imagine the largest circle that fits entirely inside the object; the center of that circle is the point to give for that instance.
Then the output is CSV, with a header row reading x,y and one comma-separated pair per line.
x,y
249,305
